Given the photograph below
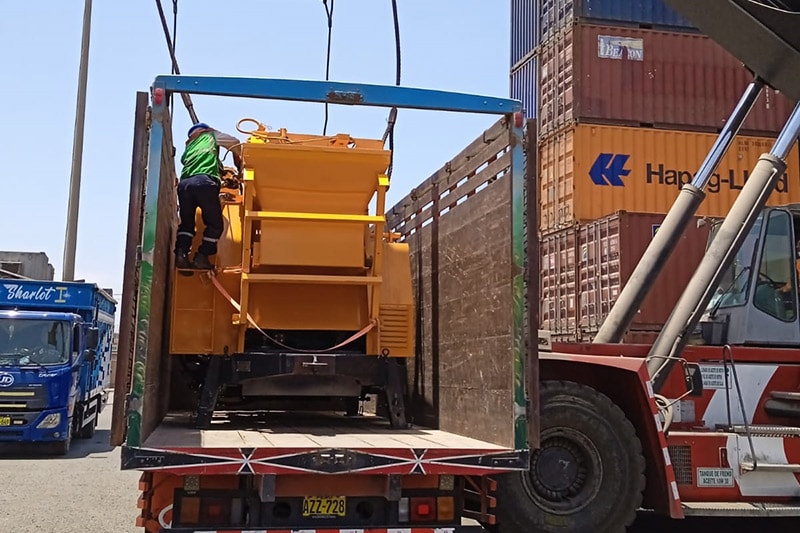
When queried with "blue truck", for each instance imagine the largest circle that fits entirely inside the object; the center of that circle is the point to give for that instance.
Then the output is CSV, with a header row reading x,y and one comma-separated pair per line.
x,y
55,360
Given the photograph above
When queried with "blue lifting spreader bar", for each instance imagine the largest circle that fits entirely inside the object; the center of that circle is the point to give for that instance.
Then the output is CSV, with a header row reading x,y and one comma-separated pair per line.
x,y
338,93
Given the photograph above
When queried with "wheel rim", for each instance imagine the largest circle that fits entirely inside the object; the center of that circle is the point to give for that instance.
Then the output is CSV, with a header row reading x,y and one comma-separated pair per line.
x,y
565,472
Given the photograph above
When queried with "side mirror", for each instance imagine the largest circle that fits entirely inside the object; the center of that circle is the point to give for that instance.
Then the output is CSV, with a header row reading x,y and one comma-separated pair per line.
x,y
693,378
89,355
92,337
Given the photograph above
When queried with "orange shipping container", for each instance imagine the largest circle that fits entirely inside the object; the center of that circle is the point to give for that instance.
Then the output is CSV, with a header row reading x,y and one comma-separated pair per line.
x,y
589,171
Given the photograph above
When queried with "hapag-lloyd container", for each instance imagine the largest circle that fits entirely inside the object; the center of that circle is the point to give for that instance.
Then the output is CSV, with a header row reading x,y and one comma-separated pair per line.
x,y
557,14
585,267
589,171
631,76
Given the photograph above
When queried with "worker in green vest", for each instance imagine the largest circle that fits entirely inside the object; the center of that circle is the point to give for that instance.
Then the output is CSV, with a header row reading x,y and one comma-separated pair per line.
x,y
199,187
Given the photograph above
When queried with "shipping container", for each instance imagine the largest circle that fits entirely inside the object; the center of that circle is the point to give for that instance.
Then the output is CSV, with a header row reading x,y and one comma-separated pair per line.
x,y
632,336
585,267
631,76
524,30
558,14
557,284
589,171
524,85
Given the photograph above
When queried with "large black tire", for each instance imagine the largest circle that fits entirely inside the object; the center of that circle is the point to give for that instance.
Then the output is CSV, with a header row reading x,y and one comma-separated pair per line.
x,y
87,431
60,447
588,473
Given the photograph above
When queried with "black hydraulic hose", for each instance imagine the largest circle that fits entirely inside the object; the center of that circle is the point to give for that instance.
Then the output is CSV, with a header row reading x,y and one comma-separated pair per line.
x,y
389,133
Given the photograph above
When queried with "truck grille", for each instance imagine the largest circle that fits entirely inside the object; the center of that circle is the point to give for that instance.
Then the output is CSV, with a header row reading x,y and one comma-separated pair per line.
x,y
23,398
681,457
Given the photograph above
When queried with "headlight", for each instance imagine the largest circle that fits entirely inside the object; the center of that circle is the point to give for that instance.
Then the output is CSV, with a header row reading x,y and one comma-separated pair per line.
x,y
50,421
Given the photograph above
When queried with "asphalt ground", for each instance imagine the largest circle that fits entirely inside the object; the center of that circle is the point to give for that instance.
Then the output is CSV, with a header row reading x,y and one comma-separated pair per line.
x,y
84,491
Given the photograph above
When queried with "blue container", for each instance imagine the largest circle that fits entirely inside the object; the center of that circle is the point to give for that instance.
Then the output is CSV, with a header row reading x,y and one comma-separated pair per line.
x,y
525,85
524,29
556,14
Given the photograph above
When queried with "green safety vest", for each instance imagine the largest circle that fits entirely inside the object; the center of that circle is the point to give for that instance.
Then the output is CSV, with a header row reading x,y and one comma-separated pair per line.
x,y
201,157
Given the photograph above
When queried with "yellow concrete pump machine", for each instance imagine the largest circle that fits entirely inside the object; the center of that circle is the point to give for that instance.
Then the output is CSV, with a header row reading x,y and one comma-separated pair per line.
x,y
311,301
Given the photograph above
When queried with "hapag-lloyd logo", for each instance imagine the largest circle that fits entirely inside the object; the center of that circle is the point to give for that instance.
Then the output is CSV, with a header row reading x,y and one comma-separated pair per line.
x,y
663,175
17,292
609,169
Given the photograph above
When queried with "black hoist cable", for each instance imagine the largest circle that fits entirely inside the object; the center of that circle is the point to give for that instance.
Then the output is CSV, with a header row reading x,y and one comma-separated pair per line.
x,y
329,14
187,100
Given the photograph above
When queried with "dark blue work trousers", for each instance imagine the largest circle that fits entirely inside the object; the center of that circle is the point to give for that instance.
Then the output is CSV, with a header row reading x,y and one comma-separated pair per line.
x,y
200,191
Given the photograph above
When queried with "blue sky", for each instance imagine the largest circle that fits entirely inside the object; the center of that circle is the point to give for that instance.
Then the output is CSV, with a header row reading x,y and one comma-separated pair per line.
x,y
459,45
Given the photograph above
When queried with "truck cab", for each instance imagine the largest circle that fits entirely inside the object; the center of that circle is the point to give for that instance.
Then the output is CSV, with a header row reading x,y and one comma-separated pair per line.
x,y
757,301
54,363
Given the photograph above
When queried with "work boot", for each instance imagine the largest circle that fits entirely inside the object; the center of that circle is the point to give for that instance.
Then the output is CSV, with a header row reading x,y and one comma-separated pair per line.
x,y
182,260
201,262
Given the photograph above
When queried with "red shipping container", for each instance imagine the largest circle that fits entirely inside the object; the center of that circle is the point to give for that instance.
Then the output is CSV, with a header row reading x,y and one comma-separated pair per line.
x,y
558,288
632,336
630,76
600,256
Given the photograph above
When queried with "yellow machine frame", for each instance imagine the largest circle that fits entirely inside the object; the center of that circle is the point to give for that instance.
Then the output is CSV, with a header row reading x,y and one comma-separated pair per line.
x,y
300,251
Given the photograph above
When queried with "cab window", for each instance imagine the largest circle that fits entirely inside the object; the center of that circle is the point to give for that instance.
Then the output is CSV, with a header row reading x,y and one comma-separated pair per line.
x,y
776,289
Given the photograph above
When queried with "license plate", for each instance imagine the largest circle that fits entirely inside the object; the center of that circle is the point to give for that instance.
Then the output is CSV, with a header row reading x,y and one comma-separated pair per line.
x,y
5,420
330,506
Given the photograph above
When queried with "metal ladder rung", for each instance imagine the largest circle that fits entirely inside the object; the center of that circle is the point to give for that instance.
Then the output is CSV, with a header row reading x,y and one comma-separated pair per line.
x,y
748,466
312,279
768,430
781,395
314,217
739,509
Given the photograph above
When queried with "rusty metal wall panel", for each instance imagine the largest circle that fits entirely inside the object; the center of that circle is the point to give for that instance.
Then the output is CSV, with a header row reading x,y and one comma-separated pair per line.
x,y
610,248
525,86
589,171
557,14
632,336
585,267
630,76
558,283
524,29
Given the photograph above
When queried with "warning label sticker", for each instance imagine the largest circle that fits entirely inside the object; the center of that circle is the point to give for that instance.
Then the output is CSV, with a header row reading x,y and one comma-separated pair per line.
x,y
713,376
715,477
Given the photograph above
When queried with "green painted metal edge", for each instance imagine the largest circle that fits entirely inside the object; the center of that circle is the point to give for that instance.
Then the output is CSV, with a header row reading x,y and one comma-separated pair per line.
x,y
518,247
135,398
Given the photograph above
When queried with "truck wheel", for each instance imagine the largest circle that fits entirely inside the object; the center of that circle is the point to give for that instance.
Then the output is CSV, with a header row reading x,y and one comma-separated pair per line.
x,y
587,474
87,431
59,447
352,406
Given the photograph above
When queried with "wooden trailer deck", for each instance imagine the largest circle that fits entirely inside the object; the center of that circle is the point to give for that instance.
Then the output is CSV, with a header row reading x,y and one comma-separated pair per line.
x,y
304,431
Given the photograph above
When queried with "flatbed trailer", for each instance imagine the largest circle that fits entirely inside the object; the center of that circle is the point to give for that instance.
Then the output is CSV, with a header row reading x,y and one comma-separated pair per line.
x,y
277,471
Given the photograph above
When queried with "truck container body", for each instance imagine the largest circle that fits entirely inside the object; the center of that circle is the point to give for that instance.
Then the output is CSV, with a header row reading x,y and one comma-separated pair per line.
x,y
524,30
585,267
294,463
560,14
55,360
525,85
631,76
589,171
